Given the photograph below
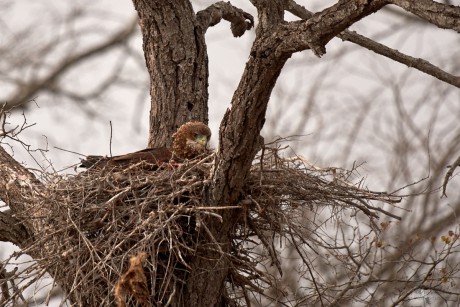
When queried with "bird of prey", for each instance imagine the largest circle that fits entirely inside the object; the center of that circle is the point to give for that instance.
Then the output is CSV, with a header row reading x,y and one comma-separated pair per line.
x,y
189,141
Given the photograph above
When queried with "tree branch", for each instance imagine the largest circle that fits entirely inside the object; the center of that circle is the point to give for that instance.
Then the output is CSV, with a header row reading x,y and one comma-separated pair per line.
x,y
442,15
29,91
176,58
239,135
321,27
12,230
212,15
417,63
19,189
270,14
381,49
271,49
449,174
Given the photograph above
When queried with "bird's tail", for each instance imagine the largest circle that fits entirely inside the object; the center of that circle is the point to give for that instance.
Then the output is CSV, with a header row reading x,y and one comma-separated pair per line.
x,y
89,161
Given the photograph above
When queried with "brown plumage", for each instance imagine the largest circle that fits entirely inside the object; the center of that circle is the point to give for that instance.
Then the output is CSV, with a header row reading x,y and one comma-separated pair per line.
x,y
133,283
189,141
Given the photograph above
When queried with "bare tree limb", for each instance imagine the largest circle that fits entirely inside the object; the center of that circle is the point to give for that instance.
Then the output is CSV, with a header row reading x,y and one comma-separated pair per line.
x,y
28,92
270,14
417,63
449,174
381,49
4,278
11,229
268,56
442,15
19,189
212,15
321,27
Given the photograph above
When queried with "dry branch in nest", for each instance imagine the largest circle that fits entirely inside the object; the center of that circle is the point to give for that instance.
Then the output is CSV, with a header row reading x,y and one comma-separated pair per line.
x,y
102,218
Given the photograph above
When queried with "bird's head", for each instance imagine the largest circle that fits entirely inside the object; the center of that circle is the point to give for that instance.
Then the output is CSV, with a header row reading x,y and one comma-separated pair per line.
x,y
190,140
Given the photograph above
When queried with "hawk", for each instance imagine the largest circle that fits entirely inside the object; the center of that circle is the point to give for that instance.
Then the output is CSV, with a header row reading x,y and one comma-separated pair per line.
x,y
189,141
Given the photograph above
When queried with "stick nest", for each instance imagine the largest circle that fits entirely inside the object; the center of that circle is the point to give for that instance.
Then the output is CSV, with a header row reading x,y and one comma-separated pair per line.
x,y
104,220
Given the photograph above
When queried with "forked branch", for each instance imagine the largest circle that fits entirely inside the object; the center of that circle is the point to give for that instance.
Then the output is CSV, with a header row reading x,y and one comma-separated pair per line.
x,y
442,15
212,15
351,36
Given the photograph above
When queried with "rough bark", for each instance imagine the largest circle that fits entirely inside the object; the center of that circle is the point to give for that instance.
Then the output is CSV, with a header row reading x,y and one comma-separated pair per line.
x,y
240,20
176,58
439,14
12,229
20,190
274,44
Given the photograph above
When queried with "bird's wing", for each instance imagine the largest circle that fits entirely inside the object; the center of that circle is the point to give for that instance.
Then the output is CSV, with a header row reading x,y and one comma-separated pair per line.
x,y
150,155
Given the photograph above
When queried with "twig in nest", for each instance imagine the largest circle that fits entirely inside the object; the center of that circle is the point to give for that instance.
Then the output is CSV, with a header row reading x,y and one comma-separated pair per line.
x,y
100,216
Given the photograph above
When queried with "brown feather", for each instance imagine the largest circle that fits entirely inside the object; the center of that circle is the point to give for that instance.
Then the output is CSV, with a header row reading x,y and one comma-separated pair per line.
x,y
184,146
152,155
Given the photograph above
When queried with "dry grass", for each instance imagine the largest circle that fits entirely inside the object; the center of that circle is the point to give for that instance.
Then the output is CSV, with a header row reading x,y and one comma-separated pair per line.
x,y
103,217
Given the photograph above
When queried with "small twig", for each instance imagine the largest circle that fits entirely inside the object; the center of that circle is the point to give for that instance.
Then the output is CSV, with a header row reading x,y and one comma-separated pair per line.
x,y
448,175
207,158
308,267
70,151
216,208
111,132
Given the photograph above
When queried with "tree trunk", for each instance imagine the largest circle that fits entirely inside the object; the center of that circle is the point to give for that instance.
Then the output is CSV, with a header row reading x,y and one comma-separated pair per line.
x,y
176,58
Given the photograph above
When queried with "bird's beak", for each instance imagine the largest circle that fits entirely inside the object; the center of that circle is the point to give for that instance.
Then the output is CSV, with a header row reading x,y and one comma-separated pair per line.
x,y
202,140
